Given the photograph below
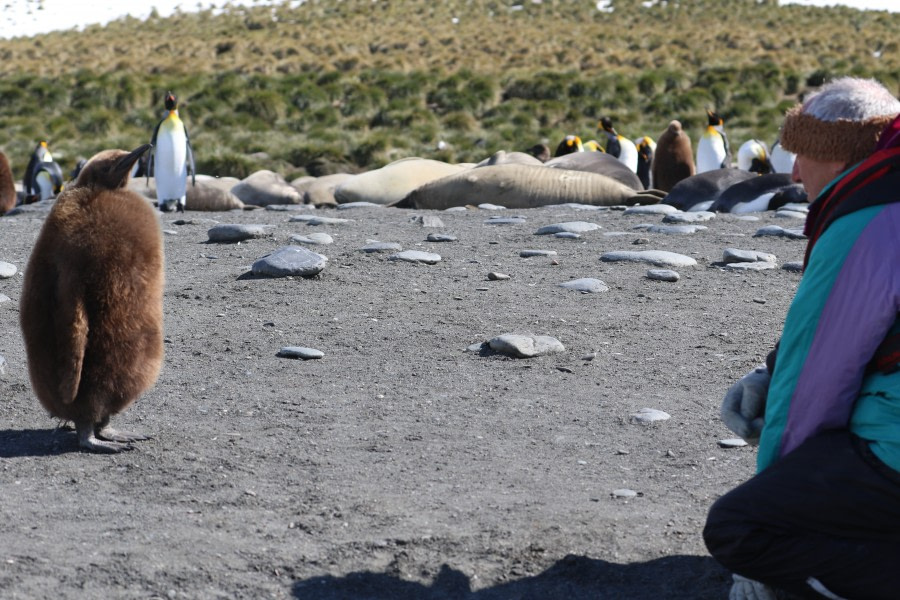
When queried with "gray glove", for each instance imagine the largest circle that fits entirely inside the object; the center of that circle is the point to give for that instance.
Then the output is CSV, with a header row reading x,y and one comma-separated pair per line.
x,y
747,589
744,407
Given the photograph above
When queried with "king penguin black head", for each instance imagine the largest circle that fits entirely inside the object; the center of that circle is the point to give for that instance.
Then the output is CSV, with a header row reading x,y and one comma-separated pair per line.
x,y
171,101
607,125
714,119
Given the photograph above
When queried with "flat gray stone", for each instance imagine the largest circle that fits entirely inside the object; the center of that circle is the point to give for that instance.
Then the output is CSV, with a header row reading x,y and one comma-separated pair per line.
x,y
232,233
352,205
650,415
570,227
416,256
790,214
489,206
658,258
289,207
676,229
290,260
689,217
505,221
314,239
624,493
372,247
7,270
663,275
795,266
494,276
750,266
734,255
530,253
440,237
651,209
300,352
796,206
776,231
525,346
456,209
586,285
317,220
732,443
427,220
568,235
2,366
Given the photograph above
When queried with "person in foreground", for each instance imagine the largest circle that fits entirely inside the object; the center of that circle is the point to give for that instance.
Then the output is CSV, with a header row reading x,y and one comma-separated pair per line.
x,y
821,518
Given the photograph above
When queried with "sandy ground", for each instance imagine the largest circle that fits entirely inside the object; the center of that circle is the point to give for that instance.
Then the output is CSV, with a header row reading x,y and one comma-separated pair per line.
x,y
401,465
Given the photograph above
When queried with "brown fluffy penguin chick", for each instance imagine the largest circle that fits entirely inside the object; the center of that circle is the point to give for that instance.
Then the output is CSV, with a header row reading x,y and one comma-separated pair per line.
x,y
91,309
7,186
673,159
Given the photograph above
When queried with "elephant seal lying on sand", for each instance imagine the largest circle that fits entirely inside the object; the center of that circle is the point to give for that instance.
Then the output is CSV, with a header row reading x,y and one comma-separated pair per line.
x,y
391,183
524,186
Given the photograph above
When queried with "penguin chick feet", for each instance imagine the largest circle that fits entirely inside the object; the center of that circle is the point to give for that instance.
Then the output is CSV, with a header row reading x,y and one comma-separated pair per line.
x,y
87,440
105,432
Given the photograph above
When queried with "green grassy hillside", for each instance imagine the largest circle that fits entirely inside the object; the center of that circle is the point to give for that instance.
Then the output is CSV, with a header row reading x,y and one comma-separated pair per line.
x,y
362,82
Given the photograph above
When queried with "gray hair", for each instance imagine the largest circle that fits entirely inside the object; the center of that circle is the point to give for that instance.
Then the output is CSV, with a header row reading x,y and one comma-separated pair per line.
x,y
853,99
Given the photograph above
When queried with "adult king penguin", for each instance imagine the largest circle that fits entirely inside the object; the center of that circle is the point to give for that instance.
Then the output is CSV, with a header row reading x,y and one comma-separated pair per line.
x,y
172,159
43,177
570,144
92,302
619,146
712,151
646,147
782,160
753,156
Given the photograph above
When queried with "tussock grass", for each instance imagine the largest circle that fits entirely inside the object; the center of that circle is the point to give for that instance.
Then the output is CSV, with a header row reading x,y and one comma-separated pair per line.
x,y
359,83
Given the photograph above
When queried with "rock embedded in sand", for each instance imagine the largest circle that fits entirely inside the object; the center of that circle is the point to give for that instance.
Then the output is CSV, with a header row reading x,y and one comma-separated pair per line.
x,y
663,275
316,239
317,220
790,214
232,233
300,352
4,298
776,231
659,258
530,253
373,247
416,256
689,217
650,415
587,285
427,221
7,270
363,204
624,493
750,266
734,255
489,206
2,366
567,235
569,227
505,221
290,260
732,443
440,237
494,276
676,229
794,266
651,209
525,346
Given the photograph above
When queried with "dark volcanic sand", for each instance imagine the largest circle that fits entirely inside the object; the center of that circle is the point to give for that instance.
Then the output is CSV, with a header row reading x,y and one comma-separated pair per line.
x,y
400,465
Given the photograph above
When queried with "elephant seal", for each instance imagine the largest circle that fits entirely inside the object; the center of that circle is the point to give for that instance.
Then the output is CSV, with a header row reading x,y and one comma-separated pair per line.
x,y
597,162
673,159
263,188
321,191
765,192
524,186
208,197
502,157
702,190
91,309
392,182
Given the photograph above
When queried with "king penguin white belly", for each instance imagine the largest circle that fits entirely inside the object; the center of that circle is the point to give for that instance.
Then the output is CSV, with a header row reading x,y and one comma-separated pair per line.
x,y
628,154
711,151
170,162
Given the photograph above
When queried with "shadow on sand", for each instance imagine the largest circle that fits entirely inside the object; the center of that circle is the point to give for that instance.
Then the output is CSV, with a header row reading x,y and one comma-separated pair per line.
x,y
18,443
571,578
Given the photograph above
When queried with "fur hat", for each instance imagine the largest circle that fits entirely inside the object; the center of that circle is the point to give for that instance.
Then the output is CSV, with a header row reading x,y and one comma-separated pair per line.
x,y
841,123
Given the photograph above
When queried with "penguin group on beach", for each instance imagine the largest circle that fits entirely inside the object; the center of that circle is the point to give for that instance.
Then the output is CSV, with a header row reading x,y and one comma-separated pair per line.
x,y
172,159
91,309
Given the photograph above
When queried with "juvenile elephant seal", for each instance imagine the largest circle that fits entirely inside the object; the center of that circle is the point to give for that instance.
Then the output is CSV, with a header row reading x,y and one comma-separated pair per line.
x,y
523,186
263,188
391,183
207,197
597,162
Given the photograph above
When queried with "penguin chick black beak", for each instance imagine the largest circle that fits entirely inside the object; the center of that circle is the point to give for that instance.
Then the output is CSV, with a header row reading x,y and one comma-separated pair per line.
x,y
121,171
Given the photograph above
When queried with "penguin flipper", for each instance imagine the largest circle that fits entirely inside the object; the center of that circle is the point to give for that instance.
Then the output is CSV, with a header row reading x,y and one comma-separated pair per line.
x,y
152,153
71,323
190,158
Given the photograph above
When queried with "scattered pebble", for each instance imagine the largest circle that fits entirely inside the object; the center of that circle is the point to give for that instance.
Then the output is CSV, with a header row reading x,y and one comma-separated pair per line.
x,y
416,256
231,233
352,205
689,217
567,235
2,366
641,241
676,229
427,220
733,255
732,443
7,270
4,298
570,227
624,493
440,237
381,247
456,209
494,276
290,260
488,206
289,207
663,275
750,266
650,415
524,346
659,258
530,253
759,300
315,239
505,221
300,352
776,231
317,220
795,266
589,357
790,214
586,285
651,209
